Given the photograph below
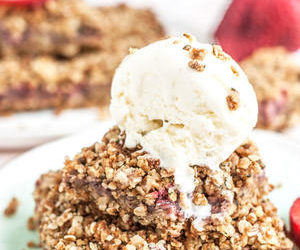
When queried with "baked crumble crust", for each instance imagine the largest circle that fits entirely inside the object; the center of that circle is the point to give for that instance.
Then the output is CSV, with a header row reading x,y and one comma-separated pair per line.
x,y
276,80
111,197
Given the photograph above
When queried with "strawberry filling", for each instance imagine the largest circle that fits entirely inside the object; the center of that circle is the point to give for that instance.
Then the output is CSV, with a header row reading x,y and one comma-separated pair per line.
x,y
269,110
164,202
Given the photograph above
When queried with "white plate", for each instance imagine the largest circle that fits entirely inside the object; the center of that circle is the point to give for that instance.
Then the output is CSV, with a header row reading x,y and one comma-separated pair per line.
x,y
18,177
294,133
282,158
27,129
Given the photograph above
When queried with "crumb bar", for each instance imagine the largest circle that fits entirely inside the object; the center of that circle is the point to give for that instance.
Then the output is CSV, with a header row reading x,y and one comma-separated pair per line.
x,y
276,80
34,82
112,197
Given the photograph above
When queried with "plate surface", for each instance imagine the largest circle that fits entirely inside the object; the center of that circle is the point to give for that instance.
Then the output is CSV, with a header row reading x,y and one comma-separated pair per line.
x,y
27,129
17,178
294,134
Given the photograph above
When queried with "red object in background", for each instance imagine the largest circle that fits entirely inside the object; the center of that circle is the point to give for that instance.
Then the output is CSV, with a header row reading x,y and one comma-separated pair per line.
x,y
251,24
22,2
295,222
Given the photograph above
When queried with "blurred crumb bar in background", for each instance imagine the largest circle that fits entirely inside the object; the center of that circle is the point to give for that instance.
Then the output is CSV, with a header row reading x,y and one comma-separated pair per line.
x,y
276,80
64,27
61,55
46,82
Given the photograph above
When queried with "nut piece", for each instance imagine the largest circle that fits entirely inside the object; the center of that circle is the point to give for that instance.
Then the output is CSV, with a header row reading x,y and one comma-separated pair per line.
x,y
200,199
197,54
187,47
70,237
196,66
140,211
233,100
188,36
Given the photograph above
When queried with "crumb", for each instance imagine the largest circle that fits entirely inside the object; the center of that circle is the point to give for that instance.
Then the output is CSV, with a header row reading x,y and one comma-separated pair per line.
x,y
32,244
196,66
197,54
187,47
30,224
234,70
12,207
233,100
216,49
188,36
219,53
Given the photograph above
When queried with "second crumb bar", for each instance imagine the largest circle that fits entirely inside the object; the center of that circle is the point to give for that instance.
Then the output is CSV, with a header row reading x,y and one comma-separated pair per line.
x,y
34,82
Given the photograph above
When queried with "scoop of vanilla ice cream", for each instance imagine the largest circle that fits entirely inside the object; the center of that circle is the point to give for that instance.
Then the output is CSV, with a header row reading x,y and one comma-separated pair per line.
x,y
185,102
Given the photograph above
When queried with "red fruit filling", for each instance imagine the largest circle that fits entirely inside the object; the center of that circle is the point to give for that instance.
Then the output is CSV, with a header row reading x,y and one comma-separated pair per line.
x,y
269,110
295,222
163,202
